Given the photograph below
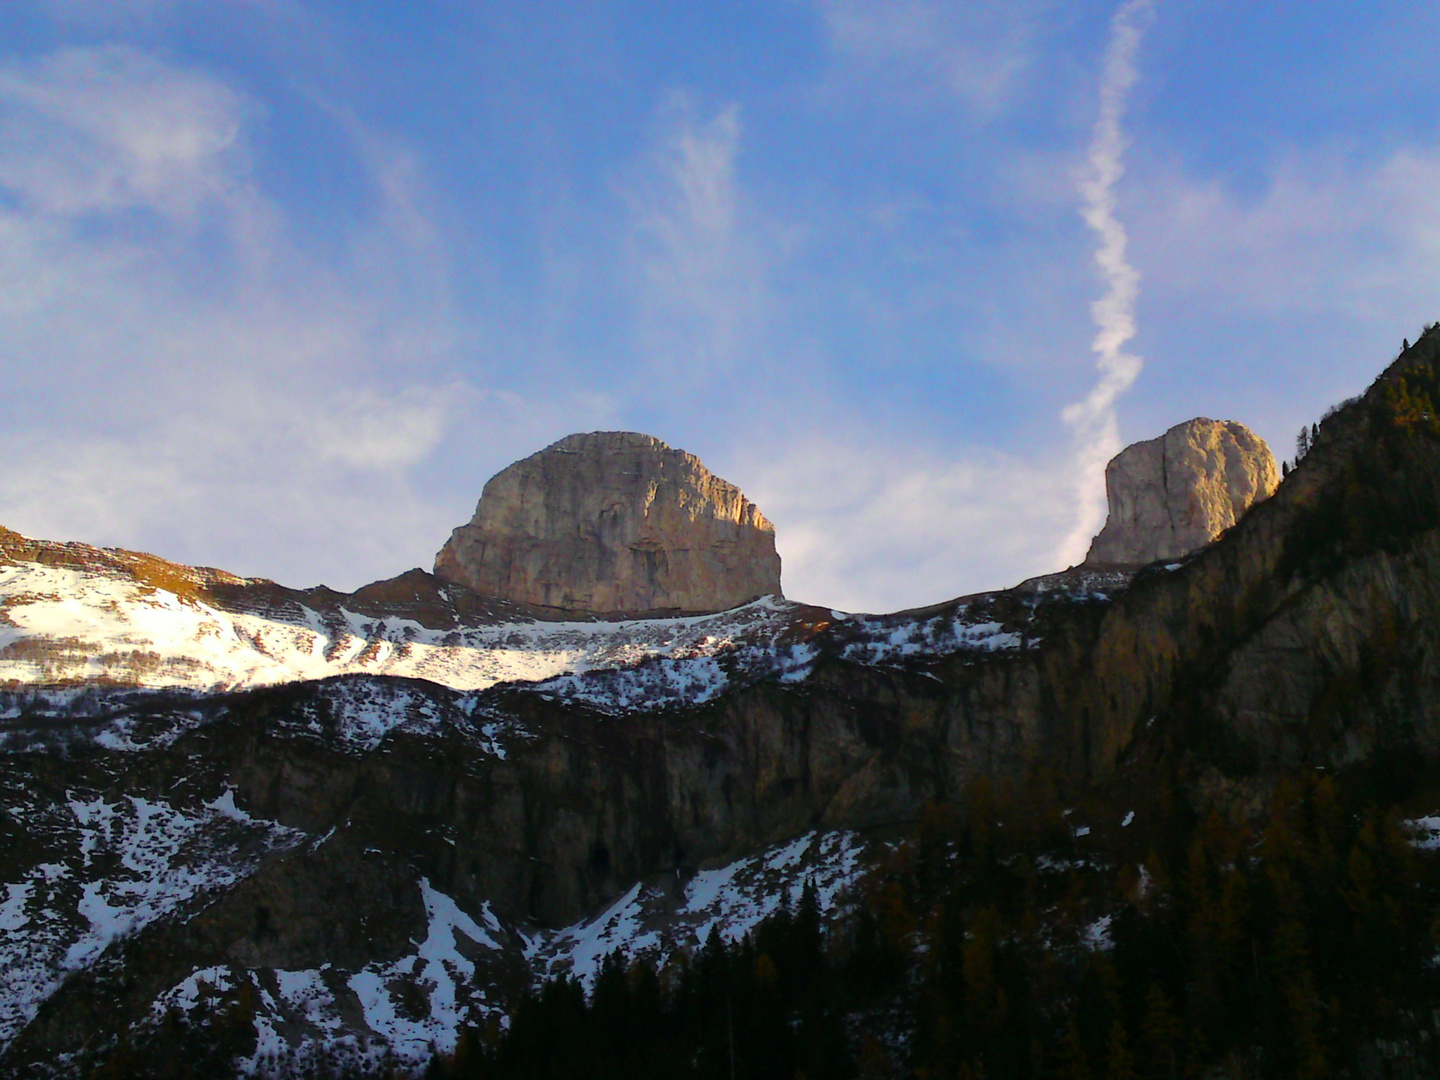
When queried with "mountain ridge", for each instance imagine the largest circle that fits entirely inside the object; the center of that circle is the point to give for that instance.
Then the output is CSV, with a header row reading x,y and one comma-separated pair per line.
x,y
1302,639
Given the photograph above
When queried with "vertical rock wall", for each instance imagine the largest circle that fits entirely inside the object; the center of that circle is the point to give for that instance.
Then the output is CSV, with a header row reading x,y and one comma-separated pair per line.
x,y
614,522
1172,495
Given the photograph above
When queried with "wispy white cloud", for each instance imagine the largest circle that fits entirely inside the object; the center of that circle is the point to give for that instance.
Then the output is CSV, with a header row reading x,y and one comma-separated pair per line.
x,y
1319,232
703,271
397,178
867,520
978,53
1284,295
866,524
871,520
1093,418
111,129
285,488
208,385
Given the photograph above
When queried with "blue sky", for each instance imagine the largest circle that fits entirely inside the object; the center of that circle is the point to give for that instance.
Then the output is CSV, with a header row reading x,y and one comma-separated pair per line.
x,y
285,282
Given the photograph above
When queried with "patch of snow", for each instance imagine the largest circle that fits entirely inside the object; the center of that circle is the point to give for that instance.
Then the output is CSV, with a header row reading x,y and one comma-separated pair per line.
x,y
224,805
307,993
12,911
798,664
732,900
1096,936
106,924
195,987
789,855
490,731
619,928
409,1008
443,969
271,1047
1425,832
376,1004
156,857
891,639
1047,864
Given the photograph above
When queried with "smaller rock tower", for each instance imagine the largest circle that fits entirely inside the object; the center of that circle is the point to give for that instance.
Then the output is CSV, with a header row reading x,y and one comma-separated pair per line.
x,y
614,522
1171,495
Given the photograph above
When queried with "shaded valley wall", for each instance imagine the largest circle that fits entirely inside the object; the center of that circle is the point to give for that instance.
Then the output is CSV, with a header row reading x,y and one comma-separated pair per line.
x,y
1307,635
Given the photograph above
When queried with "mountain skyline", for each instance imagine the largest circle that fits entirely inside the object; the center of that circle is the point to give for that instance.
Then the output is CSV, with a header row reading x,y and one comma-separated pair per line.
x,y
286,282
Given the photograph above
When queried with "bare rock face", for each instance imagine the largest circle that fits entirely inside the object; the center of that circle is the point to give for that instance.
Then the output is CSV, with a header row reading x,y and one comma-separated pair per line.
x,y
1172,495
611,522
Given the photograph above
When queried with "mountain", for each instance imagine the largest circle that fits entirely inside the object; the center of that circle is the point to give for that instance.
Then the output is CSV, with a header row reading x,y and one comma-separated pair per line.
x,y
255,829
613,522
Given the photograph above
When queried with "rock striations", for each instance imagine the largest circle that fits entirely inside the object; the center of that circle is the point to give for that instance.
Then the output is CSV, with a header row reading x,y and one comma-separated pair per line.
x,y
614,522
1172,495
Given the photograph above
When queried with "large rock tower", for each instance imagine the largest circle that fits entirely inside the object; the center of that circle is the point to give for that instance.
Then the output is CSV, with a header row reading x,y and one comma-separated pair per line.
x,y
614,522
1171,495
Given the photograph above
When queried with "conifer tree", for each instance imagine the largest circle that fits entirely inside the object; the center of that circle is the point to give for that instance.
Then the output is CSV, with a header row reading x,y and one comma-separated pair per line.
x,y
1070,1060
1159,1052
1119,1061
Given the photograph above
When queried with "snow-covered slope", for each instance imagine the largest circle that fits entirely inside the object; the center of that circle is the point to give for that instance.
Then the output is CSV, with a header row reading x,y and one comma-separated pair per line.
x,y
62,625
654,918
108,868
421,1002
73,616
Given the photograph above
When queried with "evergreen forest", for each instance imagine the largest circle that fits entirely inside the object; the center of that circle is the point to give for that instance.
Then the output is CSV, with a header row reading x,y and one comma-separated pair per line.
x,y
993,941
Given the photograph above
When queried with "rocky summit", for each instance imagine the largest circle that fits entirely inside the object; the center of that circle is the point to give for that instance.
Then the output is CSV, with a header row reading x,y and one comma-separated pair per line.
x,y
614,522
1171,495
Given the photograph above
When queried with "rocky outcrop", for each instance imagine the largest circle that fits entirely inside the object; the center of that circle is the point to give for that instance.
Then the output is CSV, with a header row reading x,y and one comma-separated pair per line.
x,y
614,522
1171,495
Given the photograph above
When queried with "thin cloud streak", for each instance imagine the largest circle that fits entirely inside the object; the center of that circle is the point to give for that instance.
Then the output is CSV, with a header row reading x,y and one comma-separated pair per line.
x,y
702,284
914,52
111,129
1093,419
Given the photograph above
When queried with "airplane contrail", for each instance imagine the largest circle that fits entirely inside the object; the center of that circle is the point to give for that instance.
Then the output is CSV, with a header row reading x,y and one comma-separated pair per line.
x,y
1093,418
